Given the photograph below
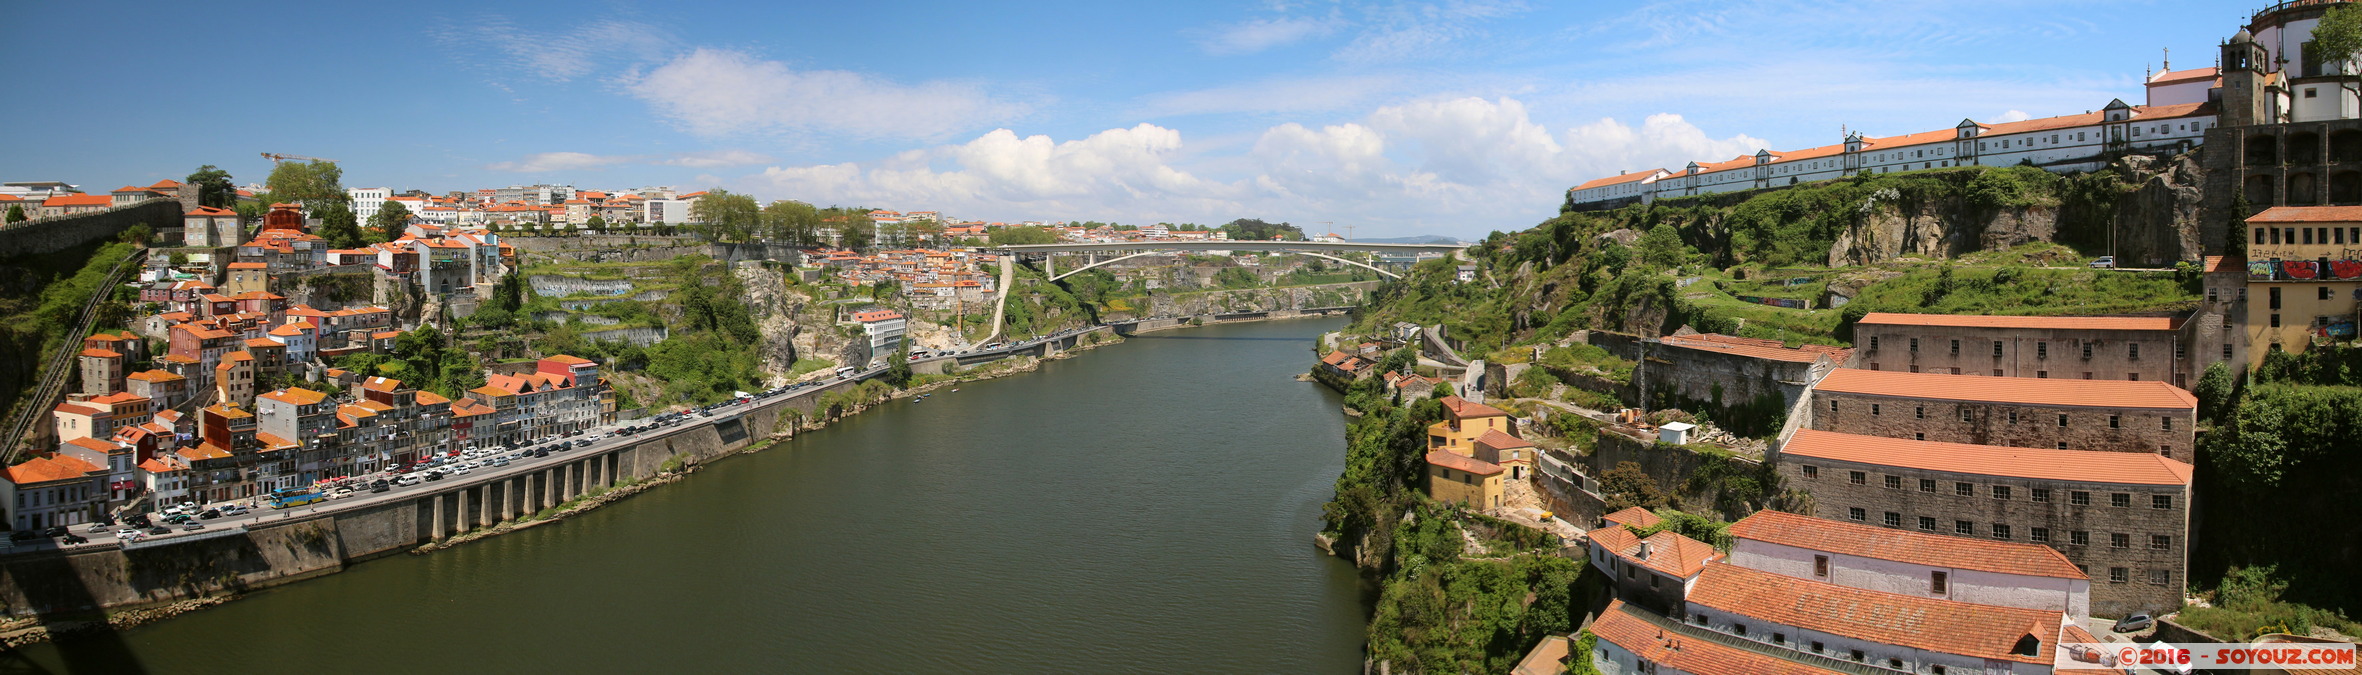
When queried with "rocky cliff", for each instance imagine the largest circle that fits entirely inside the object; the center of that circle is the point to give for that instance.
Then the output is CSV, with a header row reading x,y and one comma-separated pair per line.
x,y
2142,208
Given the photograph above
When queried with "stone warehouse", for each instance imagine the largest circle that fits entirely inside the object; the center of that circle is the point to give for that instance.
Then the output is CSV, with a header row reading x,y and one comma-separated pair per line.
x,y
2137,348
2122,517
2109,415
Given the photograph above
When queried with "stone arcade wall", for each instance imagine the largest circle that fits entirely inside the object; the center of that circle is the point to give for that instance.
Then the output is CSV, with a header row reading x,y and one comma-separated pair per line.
x,y
50,235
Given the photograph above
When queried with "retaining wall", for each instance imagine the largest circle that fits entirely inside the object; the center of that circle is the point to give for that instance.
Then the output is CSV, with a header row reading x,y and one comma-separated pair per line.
x,y
50,235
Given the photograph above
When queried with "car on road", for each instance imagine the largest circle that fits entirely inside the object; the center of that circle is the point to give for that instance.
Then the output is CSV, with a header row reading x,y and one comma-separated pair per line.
x,y
433,475
159,530
24,535
380,486
128,534
192,527
72,538
2104,262
210,514
233,510
2133,624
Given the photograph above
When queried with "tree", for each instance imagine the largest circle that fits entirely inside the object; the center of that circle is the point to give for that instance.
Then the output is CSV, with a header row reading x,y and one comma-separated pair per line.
x,y
854,228
893,233
595,224
1662,247
311,184
213,187
726,216
2235,236
1627,486
2337,39
339,227
926,230
788,221
1020,236
391,220
1257,230
16,213
2215,392
898,366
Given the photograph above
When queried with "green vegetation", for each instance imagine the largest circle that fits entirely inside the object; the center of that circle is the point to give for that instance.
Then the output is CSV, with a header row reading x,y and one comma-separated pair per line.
x,y
422,358
33,323
391,221
338,226
16,213
313,184
2282,443
1254,229
1442,607
214,187
808,364
1585,359
2247,604
1019,236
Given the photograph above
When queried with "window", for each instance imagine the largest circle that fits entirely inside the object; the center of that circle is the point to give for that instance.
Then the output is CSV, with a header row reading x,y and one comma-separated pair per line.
x,y
1919,412
2062,419
1874,338
1894,519
2324,295
1873,410
2038,494
1964,489
1966,416
1963,527
1894,663
2168,423
2079,498
2160,542
1894,482
2041,350
1811,471
2119,540
1939,670
1996,349
2079,538
1739,628
2087,350
1857,655
1939,583
2133,351
1779,638
1832,406
2000,531
1816,646
2115,422
1858,478
2013,417
1857,513
1821,566
1927,523
2160,501
2118,575
1955,347
2039,535
2259,235
2001,492
2275,319
2160,577
1927,485
2226,351
2274,292
1914,345
2120,500
2040,374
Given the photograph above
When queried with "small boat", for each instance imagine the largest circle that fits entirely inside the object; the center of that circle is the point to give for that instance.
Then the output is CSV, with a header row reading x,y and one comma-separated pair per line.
x,y
955,391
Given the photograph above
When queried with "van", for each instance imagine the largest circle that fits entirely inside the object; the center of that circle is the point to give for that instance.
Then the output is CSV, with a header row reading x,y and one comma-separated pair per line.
x,y
844,372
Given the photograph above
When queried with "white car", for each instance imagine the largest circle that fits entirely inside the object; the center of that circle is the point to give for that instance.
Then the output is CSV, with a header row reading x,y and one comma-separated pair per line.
x,y
408,480
128,534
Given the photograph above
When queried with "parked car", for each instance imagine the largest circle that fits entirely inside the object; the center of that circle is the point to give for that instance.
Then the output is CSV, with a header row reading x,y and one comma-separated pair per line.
x,y
2133,624
2104,262
192,527
55,531
72,538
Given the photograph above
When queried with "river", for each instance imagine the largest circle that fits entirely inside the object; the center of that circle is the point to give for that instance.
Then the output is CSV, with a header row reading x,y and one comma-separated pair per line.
x,y
1146,507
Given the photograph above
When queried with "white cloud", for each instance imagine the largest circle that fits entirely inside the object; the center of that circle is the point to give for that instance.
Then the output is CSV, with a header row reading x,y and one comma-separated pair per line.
x,y
1405,30
1247,37
1452,166
511,53
714,159
714,92
542,162
2013,116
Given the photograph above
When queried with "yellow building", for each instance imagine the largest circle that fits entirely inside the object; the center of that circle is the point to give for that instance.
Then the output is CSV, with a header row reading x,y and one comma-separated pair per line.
x,y
1463,480
1463,423
2304,274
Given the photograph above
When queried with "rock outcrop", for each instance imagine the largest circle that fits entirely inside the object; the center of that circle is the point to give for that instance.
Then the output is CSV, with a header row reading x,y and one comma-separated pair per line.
x,y
2145,209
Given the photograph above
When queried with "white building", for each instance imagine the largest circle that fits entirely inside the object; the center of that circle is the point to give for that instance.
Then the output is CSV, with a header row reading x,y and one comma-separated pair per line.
x,y
366,201
2007,574
2065,143
884,329
666,211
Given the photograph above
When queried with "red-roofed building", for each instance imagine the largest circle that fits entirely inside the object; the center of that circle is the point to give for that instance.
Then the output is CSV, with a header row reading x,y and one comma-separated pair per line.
x,y
1910,562
1464,421
2113,415
2141,348
2121,516
1654,571
52,490
70,204
1463,480
1635,641
211,227
1890,631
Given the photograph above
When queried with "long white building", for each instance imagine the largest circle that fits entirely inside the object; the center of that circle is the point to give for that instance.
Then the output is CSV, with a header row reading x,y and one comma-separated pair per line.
x,y
2081,142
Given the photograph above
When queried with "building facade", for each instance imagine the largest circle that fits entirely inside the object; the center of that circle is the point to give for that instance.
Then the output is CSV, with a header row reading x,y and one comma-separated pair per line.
x,y
2111,415
2136,348
2304,278
2121,517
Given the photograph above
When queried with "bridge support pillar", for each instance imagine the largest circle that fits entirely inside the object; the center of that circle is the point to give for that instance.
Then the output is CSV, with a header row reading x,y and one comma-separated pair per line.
x,y
1050,265
435,512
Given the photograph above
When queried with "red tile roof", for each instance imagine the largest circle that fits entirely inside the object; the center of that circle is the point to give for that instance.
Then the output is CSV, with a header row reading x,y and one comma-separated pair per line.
x,y
1461,409
1934,550
1620,626
2166,77
1932,624
2059,392
2308,214
1620,179
47,469
1501,441
1634,517
2161,323
1673,554
78,200
2081,466
1451,460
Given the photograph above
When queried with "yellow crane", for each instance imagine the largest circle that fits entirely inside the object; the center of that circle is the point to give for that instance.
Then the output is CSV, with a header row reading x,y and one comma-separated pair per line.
x,y
276,158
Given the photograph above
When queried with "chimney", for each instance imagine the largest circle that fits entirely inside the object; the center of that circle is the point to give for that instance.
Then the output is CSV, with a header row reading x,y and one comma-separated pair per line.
x,y
1643,550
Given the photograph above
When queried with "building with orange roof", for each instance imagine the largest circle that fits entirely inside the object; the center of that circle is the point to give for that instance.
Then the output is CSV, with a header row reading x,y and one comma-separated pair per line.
x,y
102,370
2121,516
52,490
1464,480
71,204
1636,641
233,378
1654,570
1464,421
2062,347
1511,453
86,416
162,387
2303,274
1889,631
1632,517
207,226
2113,415
1911,562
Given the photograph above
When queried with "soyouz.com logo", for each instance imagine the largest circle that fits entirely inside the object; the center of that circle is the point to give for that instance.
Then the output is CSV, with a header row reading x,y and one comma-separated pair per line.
x,y
2187,656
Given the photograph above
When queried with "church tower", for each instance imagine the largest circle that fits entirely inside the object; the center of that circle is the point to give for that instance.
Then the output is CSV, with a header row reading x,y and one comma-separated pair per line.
x,y
2244,101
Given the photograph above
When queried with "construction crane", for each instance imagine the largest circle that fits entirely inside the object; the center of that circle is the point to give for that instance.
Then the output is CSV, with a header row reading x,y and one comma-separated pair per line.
x,y
275,159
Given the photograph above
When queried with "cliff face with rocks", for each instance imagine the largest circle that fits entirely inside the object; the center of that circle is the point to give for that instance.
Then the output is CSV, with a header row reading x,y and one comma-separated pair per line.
x,y
2143,209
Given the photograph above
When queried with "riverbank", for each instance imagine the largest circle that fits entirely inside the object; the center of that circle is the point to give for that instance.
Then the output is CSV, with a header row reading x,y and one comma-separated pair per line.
x,y
473,517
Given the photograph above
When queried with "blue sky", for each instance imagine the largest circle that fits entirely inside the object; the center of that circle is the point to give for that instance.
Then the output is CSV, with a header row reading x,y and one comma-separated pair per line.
x,y
1400,118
